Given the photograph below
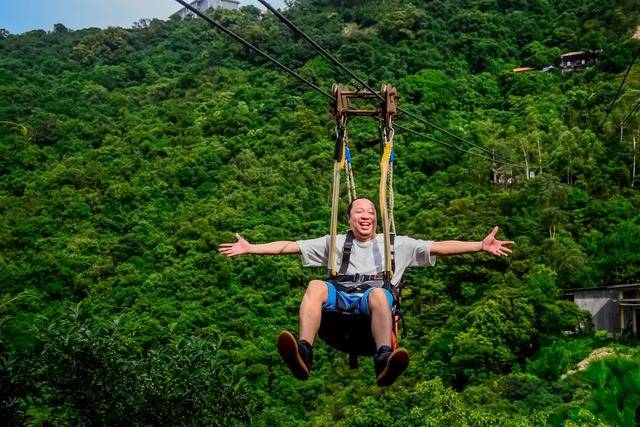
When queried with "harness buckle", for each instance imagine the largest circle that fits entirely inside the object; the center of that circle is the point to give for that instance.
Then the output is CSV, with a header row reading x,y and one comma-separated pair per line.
x,y
357,277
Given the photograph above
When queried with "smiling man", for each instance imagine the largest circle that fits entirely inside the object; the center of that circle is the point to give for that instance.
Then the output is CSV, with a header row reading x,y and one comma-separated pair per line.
x,y
360,287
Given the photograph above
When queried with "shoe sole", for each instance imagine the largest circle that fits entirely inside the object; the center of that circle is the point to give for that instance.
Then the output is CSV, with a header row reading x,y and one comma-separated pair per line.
x,y
396,365
288,349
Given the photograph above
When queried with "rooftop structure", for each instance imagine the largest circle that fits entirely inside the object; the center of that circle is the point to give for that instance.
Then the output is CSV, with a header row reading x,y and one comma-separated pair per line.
x,y
523,69
204,5
572,61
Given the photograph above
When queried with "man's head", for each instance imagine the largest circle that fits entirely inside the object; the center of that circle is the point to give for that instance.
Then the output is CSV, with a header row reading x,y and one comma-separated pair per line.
x,y
362,219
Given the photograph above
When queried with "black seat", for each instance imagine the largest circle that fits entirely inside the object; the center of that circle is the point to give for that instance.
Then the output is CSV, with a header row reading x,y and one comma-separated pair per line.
x,y
349,333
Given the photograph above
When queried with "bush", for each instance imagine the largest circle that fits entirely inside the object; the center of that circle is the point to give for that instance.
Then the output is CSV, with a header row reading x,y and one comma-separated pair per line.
x,y
84,372
616,390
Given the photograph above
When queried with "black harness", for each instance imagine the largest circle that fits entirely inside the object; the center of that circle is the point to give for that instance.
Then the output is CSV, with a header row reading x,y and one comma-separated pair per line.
x,y
360,283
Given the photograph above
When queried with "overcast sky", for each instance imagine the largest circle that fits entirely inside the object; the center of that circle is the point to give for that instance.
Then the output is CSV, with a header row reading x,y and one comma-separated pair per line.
x,y
19,16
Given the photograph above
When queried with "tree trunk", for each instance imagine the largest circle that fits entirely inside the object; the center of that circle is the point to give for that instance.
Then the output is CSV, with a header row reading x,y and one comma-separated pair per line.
x,y
526,161
633,169
539,152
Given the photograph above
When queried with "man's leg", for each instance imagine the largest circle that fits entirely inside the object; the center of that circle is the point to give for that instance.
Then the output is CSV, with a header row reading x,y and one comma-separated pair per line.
x,y
298,354
389,364
311,310
380,317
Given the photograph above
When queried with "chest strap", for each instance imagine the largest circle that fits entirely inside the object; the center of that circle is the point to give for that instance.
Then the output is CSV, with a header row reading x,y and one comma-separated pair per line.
x,y
346,256
358,278
346,253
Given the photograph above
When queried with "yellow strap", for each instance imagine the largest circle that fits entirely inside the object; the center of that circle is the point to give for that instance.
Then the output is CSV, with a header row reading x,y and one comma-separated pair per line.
x,y
335,199
384,170
392,200
386,154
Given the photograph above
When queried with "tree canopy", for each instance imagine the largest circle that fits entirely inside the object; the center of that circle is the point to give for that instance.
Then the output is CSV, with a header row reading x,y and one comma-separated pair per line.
x,y
129,155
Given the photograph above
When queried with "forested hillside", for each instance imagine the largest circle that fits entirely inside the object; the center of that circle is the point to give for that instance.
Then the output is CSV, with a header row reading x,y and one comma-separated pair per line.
x,y
128,155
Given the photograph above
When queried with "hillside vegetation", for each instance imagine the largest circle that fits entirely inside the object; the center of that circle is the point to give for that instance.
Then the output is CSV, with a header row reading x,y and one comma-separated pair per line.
x,y
128,155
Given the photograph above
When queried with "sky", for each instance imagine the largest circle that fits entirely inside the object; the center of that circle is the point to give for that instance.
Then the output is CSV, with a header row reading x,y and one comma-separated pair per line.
x,y
18,16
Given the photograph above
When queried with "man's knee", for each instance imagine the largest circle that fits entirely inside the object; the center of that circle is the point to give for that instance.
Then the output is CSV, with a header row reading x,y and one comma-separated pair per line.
x,y
317,290
378,299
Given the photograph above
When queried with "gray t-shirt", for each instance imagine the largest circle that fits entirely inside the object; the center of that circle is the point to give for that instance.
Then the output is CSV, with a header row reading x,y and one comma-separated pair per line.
x,y
368,257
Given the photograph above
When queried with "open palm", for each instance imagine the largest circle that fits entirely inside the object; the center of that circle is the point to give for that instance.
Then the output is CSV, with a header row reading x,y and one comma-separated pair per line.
x,y
494,246
241,246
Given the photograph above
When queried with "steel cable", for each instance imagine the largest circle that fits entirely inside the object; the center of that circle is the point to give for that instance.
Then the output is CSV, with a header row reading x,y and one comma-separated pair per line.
x,y
230,33
615,98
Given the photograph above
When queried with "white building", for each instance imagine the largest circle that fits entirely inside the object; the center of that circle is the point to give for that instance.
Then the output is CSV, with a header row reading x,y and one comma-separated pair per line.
x,y
204,5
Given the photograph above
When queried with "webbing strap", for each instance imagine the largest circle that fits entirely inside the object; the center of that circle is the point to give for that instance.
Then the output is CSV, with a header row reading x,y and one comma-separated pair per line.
x,y
384,170
346,252
331,267
392,199
339,157
361,278
341,133
392,238
351,184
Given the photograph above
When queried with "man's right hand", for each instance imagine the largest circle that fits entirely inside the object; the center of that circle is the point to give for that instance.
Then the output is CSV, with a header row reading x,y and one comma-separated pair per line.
x,y
240,247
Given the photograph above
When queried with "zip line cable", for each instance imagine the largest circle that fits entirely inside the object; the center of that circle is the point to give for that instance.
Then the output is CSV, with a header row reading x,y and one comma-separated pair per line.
x,y
624,121
326,94
423,135
230,33
615,98
323,52
493,160
420,119
632,113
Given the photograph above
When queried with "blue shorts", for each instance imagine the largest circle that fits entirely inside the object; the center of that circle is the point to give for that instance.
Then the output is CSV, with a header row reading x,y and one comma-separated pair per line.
x,y
360,302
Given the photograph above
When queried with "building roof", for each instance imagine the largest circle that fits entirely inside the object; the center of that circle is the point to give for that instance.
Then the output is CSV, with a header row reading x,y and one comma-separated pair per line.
x,y
523,69
628,285
577,53
605,288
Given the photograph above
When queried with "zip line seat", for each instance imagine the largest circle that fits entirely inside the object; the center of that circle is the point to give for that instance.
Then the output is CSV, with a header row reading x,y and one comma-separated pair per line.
x,y
349,333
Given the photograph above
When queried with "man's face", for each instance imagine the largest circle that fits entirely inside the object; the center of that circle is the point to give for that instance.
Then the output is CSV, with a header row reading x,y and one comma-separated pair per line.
x,y
363,219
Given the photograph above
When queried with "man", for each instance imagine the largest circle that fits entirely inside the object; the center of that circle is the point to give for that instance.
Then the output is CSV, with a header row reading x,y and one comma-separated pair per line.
x,y
367,258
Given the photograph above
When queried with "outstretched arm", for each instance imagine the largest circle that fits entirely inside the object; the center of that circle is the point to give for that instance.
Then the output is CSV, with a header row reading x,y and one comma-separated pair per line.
x,y
241,247
490,244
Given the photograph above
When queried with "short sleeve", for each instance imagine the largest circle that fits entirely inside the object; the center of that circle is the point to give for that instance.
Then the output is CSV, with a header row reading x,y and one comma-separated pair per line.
x,y
315,252
415,252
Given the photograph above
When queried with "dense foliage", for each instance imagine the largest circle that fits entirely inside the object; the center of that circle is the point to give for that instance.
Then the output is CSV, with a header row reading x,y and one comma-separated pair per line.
x,y
129,155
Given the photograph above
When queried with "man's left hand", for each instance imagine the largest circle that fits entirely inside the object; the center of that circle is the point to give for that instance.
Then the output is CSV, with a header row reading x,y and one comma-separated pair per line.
x,y
494,246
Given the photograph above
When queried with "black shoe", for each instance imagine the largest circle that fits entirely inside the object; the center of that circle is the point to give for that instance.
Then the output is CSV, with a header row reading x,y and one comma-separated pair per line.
x,y
389,365
297,355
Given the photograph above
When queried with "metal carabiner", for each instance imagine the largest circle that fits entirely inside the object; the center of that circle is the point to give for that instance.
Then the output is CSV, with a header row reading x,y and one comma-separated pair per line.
x,y
391,131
